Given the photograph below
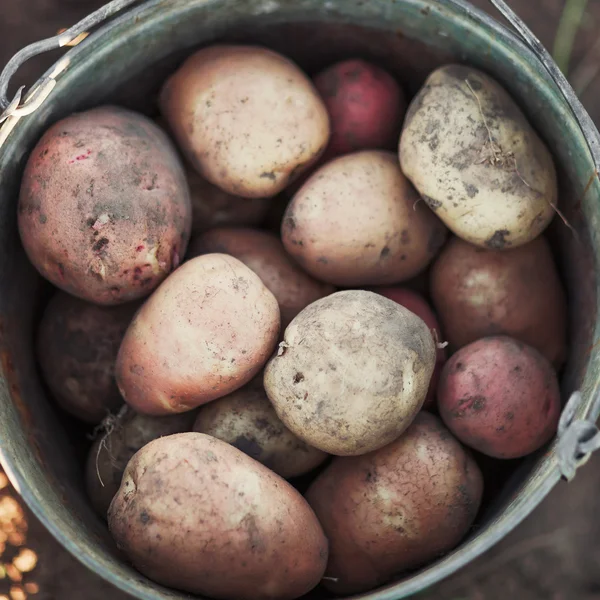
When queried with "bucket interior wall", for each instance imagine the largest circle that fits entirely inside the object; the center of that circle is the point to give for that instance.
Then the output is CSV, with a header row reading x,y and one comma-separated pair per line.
x,y
125,63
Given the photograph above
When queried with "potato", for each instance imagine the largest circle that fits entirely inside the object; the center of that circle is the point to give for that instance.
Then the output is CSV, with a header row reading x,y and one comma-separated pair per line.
x,y
397,508
419,306
198,515
212,207
264,253
476,161
206,331
246,117
247,420
357,221
124,434
516,292
104,210
77,345
500,396
365,105
352,372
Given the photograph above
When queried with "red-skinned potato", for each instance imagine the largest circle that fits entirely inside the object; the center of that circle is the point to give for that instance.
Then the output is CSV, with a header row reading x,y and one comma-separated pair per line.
x,y
358,221
418,305
124,435
198,515
213,207
365,105
516,292
104,209
77,346
247,420
246,117
264,253
351,373
206,331
397,508
500,397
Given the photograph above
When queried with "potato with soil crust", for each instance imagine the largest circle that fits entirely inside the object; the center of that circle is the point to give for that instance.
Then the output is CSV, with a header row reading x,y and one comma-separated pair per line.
x,y
104,209
477,162
213,207
352,372
205,332
77,345
198,515
358,221
246,117
397,508
500,397
420,307
264,253
247,420
365,105
516,292
124,434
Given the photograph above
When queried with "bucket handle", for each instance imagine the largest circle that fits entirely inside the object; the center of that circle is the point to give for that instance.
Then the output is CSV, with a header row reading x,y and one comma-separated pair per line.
x,y
70,37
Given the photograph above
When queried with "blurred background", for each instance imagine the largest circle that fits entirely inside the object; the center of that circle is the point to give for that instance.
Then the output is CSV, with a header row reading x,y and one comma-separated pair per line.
x,y
554,555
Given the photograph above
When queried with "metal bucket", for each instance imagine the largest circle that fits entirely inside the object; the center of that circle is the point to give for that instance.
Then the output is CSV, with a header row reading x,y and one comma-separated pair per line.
x,y
125,60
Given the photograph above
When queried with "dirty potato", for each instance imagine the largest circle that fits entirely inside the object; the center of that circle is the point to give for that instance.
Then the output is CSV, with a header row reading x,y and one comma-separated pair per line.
x,y
247,420
357,221
104,209
264,253
477,162
397,508
77,346
196,514
352,372
500,397
517,292
206,331
246,117
122,436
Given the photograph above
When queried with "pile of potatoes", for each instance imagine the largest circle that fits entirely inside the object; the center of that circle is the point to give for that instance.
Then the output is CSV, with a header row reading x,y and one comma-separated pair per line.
x,y
272,348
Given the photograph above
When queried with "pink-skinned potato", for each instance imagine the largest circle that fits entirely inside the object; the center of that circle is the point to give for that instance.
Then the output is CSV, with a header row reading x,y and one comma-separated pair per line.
x,y
264,253
206,331
365,105
397,508
420,307
104,210
77,346
500,397
196,514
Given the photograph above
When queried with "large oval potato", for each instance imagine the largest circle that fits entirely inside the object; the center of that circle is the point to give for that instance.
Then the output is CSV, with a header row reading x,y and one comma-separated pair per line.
x,y
264,253
470,152
397,508
247,420
500,396
198,515
352,372
357,221
124,434
213,207
77,346
516,292
206,331
104,209
246,117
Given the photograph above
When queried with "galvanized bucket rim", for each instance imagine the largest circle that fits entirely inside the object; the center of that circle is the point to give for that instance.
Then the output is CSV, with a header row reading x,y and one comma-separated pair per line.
x,y
517,510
